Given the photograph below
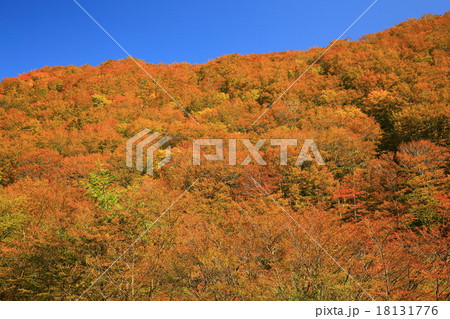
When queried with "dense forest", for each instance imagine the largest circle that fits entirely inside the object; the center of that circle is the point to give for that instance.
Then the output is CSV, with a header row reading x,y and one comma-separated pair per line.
x,y
376,108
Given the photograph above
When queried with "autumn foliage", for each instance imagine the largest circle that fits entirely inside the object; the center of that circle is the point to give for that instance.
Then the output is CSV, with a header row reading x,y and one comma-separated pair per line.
x,y
377,109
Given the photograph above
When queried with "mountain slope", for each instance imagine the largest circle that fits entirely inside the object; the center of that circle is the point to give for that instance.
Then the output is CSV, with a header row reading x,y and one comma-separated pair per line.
x,y
377,108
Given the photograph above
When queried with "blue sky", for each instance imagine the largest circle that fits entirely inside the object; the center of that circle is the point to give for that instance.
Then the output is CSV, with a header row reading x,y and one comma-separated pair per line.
x,y
34,33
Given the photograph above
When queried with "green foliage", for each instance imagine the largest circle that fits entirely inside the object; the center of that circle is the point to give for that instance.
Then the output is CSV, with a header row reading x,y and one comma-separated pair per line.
x,y
99,100
99,187
13,217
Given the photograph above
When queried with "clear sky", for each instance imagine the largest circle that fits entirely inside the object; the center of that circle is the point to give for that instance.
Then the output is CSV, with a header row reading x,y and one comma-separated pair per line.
x,y
35,33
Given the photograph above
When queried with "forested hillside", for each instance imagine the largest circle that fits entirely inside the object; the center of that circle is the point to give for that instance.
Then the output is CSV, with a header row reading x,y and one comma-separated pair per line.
x,y
376,108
